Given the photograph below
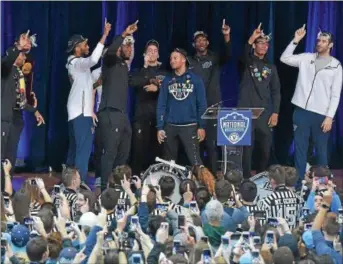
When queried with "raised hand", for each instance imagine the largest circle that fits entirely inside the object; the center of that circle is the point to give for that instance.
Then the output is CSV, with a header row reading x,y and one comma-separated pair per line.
x,y
225,28
107,27
39,118
131,29
300,34
257,33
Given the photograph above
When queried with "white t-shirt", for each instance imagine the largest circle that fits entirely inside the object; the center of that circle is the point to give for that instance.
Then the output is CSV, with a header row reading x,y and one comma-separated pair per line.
x,y
80,100
95,76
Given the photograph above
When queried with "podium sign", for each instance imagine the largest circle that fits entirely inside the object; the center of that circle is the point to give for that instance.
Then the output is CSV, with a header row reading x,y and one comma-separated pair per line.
x,y
234,127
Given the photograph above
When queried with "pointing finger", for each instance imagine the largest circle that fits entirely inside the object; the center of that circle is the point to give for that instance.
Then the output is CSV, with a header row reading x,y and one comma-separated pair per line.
x,y
304,26
136,22
223,22
259,26
188,188
105,21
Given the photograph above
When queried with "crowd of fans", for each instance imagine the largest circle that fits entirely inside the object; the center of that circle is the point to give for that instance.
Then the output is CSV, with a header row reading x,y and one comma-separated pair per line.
x,y
219,219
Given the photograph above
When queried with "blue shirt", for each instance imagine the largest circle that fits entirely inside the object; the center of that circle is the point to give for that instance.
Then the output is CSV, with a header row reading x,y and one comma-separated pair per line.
x,y
323,248
181,101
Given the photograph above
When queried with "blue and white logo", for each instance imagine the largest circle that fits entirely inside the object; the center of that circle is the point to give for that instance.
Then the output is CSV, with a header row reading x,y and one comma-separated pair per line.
x,y
234,128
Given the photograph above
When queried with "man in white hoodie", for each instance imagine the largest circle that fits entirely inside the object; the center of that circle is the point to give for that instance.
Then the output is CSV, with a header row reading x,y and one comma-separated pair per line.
x,y
80,105
316,96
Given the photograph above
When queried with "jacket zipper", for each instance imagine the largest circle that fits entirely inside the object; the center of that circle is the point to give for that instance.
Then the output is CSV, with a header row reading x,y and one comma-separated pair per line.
x,y
309,96
83,102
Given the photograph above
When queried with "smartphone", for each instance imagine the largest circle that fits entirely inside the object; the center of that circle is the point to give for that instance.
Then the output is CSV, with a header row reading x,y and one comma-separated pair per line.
x,y
57,189
305,212
257,240
322,180
206,253
225,241
340,212
9,227
3,242
272,221
108,236
246,236
162,207
68,227
80,227
260,215
176,246
134,220
269,239
204,239
119,213
308,226
136,258
28,221
181,221
193,206
234,238
34,234
6,201
239,229
255,254
33,182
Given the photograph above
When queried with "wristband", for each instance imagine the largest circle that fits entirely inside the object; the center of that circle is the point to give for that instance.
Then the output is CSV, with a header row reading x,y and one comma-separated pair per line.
x,y
295,43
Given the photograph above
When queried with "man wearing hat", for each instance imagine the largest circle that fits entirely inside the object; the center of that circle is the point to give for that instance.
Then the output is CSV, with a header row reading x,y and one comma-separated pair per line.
x,y
181,103
13,97
80,104
114,125
207,64
260,88
146,82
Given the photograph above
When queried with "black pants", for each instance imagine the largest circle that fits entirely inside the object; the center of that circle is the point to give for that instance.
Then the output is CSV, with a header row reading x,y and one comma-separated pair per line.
x,y
145,147
210,146
10,136
261,141
98,149
187,135
115,131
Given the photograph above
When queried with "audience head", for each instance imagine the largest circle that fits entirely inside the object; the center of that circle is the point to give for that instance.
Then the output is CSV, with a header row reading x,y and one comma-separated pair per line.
x,y
330,227
183,186
214,211
85,201
111,257
54,245
47,218
202,196
283,255
276,175
37,249
167,185
118,175
71,178
235,177
223,190
248,191
109,199
291,175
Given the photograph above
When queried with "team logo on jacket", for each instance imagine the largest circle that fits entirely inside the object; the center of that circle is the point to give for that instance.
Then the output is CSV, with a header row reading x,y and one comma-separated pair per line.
x,y
234,126
180,91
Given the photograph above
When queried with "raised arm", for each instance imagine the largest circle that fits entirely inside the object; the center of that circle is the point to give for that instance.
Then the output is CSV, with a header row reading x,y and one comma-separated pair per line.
x,y
287,56
226,54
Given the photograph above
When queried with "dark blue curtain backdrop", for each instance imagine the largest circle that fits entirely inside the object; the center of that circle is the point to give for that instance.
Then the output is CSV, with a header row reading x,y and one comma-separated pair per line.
x,y
172,24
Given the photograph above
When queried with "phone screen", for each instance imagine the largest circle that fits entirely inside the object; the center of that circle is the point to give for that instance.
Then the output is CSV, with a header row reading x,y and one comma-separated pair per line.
x,y
205,239
181,221
6,201
206,256
57,189
269,238
246,236
272,221
225,241
257,240
134,220
136,259
260,215
33,182
3,242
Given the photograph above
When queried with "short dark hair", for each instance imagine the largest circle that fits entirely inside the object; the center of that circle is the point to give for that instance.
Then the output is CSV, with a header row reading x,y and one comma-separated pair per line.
x,y
321,171
111,257
277,173
109,198
47,218
291,175
331,226
167,185
283,255
154,224
183,186
179,259
234,176
248,191
119,172
202,196
36,248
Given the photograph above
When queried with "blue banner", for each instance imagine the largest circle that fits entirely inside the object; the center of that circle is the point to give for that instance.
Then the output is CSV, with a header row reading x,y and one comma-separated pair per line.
x,y
234,128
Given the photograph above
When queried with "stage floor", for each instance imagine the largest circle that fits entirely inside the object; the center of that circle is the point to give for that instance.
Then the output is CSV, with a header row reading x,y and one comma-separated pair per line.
x,y
50,179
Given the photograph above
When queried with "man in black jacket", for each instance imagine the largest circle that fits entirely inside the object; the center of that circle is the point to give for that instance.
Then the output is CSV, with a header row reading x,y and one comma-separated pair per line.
x,y
13,98
114,125
207,64
259,87
146,83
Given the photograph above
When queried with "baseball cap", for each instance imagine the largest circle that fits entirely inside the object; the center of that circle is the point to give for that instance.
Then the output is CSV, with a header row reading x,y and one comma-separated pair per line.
x,y
152,42
182,52
67,255
199,34
20,236
223,189
73,41
88,219
128,40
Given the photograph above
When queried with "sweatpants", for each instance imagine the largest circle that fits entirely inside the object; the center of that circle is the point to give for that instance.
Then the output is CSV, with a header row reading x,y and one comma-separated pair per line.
x,y
261,140
187,136
145,147
80,144
306,124
115,132
209,145
10,136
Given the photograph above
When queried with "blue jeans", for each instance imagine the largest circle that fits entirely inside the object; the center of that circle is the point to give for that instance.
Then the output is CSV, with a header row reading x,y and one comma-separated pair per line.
x,y
306,123
80,144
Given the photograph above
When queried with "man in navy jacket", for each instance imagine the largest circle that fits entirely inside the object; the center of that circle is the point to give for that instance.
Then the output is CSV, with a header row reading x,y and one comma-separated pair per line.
x,y
181,103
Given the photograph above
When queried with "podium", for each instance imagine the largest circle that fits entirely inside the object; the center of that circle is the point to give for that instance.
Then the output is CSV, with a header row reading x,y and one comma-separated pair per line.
x,y
234,128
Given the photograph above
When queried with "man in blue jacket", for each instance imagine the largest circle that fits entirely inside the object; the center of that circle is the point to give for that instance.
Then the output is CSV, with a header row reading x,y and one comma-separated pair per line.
x,y
181,103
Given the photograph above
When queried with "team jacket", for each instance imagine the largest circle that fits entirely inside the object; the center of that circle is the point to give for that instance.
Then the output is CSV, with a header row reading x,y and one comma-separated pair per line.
x,y
11,101
260,84
181,100
208,67
318,92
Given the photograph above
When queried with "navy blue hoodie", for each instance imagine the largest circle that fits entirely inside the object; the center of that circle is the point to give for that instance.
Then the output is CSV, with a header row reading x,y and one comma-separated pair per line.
x,y
181,101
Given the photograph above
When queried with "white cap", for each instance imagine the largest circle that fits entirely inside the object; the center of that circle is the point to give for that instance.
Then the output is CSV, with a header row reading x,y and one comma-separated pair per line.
x,y
88,219
128,40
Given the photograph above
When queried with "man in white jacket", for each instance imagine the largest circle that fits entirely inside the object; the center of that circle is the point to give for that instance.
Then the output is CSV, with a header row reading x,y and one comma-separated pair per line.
x,y
80,105
316,96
